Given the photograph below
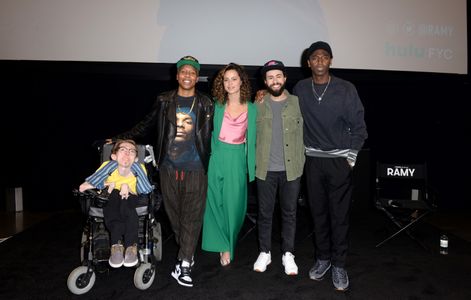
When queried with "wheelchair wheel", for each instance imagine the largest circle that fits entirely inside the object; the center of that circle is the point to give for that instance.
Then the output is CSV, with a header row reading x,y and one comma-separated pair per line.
x,y
157,241
78,282
144,276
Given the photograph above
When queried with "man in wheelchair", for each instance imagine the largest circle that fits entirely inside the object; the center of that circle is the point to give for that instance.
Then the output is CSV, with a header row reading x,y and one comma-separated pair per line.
x,y
123,180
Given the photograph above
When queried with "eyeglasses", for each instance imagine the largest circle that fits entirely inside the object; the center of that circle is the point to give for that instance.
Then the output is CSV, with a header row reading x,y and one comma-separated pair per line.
x,y
127,150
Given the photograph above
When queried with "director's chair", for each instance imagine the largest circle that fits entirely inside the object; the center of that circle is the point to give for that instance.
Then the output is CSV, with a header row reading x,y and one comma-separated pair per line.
x,y
403,194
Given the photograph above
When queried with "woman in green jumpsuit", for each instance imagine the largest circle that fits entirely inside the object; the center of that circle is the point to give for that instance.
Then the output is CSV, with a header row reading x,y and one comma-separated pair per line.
x,y
232,157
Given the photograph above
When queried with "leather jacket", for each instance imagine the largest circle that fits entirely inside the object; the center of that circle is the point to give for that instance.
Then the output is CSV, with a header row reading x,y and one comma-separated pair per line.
x,y
161,122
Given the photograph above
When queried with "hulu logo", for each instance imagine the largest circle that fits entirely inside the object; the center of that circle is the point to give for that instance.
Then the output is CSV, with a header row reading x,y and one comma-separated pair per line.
x,y
404,51
417,52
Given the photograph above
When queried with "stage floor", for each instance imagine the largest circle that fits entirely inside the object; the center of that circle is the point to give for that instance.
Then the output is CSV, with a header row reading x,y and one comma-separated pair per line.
x,y
36,262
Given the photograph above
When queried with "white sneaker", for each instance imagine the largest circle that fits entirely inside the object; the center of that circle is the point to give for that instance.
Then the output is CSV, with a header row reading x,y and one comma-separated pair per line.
x,y
263,260
290,266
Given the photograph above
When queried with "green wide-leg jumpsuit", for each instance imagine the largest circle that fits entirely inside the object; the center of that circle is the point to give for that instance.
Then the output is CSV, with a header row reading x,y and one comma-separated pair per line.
x,y
226,201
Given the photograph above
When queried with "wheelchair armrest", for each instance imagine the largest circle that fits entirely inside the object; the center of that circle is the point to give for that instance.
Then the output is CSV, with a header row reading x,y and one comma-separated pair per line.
x,y
92,197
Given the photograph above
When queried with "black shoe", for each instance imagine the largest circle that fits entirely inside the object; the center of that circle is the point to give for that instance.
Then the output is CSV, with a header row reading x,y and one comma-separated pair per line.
x,y
182,274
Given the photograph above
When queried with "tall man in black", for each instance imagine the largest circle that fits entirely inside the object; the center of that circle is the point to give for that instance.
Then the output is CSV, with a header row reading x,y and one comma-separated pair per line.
x,y
334,132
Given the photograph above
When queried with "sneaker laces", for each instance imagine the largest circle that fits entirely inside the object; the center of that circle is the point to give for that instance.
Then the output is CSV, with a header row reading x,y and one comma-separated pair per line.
x,y
185,272
263,256
131,250
289,255
340,274
321,264
117,248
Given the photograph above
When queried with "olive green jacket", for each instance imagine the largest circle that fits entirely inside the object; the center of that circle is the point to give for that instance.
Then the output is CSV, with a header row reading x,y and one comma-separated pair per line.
x,y
292,137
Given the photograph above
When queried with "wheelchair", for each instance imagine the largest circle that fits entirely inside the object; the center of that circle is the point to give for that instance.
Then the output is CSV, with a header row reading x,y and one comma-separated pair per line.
x,y
95,246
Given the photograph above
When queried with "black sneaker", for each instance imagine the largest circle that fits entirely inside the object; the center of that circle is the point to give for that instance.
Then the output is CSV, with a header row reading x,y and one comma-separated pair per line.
x,y
182,274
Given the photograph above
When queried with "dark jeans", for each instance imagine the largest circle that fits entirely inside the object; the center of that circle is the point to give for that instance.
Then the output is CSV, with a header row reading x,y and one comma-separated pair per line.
x,y
184,197
267,191
329,186
121,218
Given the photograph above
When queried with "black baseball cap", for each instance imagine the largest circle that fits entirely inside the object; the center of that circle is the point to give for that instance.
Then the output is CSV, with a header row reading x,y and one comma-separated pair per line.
x,y
319,45
273,65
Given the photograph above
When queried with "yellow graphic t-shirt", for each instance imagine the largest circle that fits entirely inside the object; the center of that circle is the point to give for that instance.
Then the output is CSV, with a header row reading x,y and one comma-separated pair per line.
x,y
119,180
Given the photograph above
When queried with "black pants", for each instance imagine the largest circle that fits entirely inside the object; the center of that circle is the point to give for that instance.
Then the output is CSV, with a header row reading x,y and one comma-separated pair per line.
x,y
121,218
288,192
184,197
329,186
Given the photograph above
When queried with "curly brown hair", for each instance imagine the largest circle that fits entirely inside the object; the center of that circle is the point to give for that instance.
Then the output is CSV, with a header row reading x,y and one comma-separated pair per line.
x,y
218,91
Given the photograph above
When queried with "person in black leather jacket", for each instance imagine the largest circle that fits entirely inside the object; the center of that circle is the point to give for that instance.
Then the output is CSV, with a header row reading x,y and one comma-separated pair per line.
x,y
180,126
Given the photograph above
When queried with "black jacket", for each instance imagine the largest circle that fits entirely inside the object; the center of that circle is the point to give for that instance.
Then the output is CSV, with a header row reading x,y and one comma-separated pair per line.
x,y
161,123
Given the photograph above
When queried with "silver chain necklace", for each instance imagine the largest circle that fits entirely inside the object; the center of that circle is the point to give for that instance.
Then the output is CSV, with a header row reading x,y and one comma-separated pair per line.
x,y
319,98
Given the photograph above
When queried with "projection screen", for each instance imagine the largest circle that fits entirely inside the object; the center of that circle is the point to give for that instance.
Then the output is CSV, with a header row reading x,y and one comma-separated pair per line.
x,y
403,35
